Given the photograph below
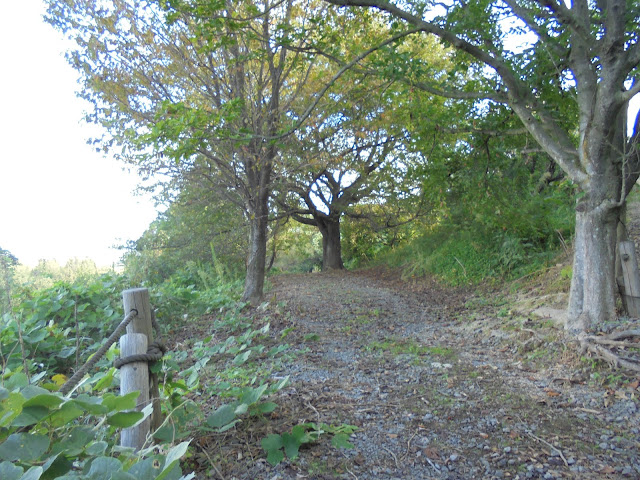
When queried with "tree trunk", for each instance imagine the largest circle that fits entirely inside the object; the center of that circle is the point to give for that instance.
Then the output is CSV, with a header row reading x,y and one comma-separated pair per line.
x,y
593,285
592,299
257,257
331,248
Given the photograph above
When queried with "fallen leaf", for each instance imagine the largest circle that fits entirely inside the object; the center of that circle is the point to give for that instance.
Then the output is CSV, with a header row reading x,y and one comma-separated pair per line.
x,y
551,393
621,394
607,469
483,435
392,435
432,453
634,385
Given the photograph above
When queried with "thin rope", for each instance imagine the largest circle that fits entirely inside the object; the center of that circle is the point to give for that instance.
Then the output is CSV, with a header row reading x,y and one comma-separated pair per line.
x,y
75,379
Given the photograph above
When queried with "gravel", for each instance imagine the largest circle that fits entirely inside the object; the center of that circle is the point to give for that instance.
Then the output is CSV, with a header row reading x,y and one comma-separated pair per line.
x,y
435,391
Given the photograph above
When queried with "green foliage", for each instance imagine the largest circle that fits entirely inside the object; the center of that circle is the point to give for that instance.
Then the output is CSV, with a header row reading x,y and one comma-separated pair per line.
x,y
197,229
48,272
195,289
61,325
8,263
249,403
279,445
47,435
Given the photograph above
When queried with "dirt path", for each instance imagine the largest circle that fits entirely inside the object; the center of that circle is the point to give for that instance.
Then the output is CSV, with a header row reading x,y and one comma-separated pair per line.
x,y
438,389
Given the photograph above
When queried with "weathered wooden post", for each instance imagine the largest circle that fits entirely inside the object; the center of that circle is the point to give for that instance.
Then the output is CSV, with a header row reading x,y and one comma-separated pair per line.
x,y
135,376
138,299
631,277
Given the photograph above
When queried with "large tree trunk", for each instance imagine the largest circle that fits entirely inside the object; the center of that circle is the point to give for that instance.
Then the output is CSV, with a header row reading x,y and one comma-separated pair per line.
x,y
593,285
257,257
259,179
331,248
592,299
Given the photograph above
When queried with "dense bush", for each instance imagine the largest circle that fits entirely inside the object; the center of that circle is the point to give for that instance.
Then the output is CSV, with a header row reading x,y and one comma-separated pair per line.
x,y
60,326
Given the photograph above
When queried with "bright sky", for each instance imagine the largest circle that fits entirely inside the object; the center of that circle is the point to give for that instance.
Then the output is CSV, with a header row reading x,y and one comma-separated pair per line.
x,y
59,199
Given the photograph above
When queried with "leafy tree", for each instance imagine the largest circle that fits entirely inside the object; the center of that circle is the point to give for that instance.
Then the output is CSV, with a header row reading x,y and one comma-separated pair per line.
x,y
206,84
198,226
584,56
353,155
351,165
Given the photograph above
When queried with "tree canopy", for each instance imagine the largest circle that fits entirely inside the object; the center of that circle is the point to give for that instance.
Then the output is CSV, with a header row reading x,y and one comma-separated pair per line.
x,y
540,58
298,108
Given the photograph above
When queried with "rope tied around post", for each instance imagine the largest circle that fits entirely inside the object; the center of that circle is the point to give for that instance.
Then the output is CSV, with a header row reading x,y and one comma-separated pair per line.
x,y
155,351
75,379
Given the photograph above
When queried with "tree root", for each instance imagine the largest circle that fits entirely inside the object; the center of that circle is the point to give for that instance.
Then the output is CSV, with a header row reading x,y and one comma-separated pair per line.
x,y
610,348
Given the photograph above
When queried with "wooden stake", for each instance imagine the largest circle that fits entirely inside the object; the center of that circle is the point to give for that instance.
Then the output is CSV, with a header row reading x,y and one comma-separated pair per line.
x,y
631,278
138,299
135,377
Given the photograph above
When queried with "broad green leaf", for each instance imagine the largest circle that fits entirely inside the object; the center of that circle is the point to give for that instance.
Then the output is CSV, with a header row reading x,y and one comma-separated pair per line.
x,y
124,419
222,416
341,440
274,457
36,378
272,442
30,416
291,445
281,384
56,466
25,447
252,395
241,409
123,476
301,433
66,352
102,468
4,393
106,381
8,471
17,380
97,448
48,400
92,405
241,358
34,473
31,391
267,407
175,454
120,403
75,442
35,336
67,412
229,426
11,408
147,469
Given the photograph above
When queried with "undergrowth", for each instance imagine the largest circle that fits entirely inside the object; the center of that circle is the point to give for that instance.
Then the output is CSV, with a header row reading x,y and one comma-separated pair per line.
x,y
48,333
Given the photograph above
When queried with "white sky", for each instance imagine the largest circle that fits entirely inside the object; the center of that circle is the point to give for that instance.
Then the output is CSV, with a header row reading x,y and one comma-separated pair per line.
x,y
59,199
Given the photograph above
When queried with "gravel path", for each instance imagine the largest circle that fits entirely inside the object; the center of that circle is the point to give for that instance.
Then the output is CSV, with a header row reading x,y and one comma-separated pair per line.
x,y
441,385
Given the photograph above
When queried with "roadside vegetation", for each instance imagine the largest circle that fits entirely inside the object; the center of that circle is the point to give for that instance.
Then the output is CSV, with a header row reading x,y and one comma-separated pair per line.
x,y
293,137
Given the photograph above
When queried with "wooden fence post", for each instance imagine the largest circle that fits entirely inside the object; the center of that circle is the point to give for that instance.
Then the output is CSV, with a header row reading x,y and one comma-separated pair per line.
x,y
631,278
135,377
138,299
